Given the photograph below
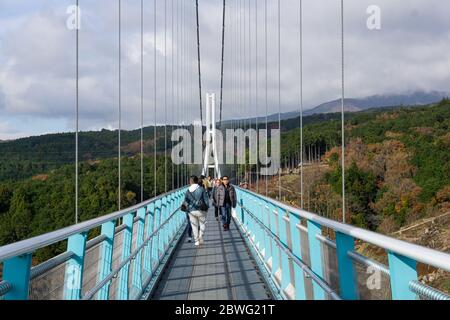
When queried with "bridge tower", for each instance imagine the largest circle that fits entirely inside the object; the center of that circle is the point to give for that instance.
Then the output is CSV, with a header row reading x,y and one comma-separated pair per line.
x,y
211,160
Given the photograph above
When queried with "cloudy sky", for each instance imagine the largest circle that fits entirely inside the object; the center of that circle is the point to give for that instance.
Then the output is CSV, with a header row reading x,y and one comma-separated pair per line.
x,y
37,58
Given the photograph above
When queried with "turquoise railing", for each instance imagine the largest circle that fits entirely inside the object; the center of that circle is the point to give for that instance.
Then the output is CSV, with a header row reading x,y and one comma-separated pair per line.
x,y
123,262
299,262
294,255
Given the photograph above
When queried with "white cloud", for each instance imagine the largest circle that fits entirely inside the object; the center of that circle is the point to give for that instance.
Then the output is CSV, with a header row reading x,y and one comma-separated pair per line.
x,y
37,54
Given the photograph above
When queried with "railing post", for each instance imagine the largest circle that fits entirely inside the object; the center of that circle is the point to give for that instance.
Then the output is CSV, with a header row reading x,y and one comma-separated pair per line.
x,y
282,234
315,252
251,221
16,271
123,293
300,293
162,244
148,258
173,221
273,217
105,264
156,238
241,203
172,210
180,214
347,283
267,242
259,230
137,263
402,271
73,283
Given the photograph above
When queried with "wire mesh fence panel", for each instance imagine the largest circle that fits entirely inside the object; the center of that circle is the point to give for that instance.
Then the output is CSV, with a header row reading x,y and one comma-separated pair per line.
x,y
132,264
2,297
50,285
330,267
116,260
130,283
114,288
91,267
372,284
145,275
134,237
307,260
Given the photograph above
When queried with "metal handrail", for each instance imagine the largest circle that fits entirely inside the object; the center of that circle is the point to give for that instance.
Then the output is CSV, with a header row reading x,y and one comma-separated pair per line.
x,y
42,268
90,294
5,287
359,258
426,291
419,253
31,245
294,258
416,287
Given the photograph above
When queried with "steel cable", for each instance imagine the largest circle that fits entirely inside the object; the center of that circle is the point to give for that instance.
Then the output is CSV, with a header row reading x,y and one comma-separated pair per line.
x,y
120,108
222,62
301,105
199,62
279,88
77,95
142,100
342,111
155,94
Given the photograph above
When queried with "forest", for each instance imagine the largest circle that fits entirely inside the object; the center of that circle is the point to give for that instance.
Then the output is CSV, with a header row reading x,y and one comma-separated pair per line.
x,y
397,160
397,164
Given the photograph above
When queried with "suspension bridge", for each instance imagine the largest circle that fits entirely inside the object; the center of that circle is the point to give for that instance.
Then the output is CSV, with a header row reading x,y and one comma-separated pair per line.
x,y
273,251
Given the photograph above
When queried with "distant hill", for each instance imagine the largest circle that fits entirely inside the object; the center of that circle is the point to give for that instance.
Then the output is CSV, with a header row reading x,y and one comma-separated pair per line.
x,y
418,98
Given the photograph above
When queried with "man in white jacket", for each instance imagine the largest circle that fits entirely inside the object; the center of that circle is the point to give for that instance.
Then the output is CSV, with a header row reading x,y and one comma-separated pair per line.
x,y
197,202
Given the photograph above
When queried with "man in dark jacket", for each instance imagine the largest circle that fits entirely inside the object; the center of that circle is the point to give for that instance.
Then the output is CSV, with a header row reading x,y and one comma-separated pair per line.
x,y
217,185
226,199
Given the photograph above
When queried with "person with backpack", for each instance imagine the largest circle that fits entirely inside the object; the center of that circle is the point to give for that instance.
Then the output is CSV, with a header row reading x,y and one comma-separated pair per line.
x,y
196,202
226,199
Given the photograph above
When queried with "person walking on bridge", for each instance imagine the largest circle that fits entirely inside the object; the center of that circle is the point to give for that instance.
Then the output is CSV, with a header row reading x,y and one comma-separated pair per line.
x,y
226,199
197,202
215,199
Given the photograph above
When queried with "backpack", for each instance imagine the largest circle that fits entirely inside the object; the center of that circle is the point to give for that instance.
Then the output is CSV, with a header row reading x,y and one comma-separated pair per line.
x,y
198,204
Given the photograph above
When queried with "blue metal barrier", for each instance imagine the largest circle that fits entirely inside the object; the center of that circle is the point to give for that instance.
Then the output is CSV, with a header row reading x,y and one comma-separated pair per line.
x,y
273,231
147,230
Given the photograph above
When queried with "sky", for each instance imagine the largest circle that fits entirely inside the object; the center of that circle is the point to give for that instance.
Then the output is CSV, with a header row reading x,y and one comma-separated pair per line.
x,y
37,59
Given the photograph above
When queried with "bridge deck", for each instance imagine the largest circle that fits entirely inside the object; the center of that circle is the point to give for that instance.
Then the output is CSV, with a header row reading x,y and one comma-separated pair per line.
x,y
220,269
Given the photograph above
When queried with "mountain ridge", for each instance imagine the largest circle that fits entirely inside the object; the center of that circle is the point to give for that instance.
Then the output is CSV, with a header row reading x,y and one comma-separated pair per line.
x,y
416,98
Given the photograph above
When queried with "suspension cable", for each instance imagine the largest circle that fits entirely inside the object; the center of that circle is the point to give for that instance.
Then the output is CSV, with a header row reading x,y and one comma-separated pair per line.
x,y
343,110
155,94
222,62
120,106
177,80
77,106
142,100
249,91
279,88
266,90
165,96
172,104
256,91
199,62
301,104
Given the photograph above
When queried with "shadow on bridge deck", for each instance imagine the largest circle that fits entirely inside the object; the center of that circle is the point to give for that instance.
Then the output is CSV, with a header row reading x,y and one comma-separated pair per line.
x,y
220,269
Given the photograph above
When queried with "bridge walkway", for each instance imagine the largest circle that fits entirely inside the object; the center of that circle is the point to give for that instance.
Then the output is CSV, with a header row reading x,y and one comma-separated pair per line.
x,y
220,269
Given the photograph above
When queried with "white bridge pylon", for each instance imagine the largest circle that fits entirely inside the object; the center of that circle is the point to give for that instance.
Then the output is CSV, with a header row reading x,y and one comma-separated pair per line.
x,y
211,141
